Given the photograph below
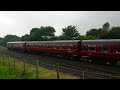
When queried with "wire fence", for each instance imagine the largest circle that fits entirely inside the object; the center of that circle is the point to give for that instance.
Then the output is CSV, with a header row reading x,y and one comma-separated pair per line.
x,y
25,67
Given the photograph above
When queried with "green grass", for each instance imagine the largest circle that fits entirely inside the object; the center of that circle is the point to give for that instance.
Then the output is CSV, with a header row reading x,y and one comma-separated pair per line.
x,y
7,70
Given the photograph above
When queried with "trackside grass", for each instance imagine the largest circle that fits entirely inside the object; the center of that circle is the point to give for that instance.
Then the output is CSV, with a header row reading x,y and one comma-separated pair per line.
x,y
14,69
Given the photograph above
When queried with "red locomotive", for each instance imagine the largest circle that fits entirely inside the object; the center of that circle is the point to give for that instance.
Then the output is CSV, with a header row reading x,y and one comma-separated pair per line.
x,y
101,51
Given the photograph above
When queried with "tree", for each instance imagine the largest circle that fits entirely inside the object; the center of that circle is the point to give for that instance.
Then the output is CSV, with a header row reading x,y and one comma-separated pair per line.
x,y
9,38
47,32
101,33
42,33
70,32
63,37
33,30
26,37
105,30
106,26
114,33
93,32
82,37
36,36
1,41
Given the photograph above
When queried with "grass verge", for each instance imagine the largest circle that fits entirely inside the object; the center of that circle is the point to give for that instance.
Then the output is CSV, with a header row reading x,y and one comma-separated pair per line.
x,y
8,71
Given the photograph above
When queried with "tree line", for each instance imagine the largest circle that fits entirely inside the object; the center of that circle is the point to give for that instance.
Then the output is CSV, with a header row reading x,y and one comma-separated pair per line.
x,y
47,33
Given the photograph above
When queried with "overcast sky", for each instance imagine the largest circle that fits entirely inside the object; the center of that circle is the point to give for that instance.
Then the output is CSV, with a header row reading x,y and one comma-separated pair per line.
x,y
21,22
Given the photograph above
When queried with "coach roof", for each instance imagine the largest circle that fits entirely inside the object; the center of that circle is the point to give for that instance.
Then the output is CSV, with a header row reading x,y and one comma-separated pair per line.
x,y
53,41
102,40
18,42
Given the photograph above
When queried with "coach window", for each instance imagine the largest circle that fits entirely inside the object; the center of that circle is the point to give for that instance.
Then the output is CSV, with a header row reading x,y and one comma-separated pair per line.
x,y
92,48
37,45
34,45
63,47
105,49
27,45
56,47
48,46
75,47
118,50
42,46
31,45
70,47
83,47
52,46
60,46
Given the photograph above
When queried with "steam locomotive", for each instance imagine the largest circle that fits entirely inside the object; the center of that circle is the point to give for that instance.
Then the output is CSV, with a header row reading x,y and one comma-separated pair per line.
x,y
105,51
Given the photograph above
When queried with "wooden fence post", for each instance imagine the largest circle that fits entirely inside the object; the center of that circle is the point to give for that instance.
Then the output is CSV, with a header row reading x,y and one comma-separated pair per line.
x,y
37,69
14,62
83,75
3,58
8,60
57,69
24,67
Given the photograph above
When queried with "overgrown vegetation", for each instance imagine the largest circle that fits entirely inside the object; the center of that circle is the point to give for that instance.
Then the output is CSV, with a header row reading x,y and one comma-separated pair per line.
x,y
8,71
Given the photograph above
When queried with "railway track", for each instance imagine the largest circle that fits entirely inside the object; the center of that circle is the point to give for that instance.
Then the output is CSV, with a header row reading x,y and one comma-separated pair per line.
x,y
84,70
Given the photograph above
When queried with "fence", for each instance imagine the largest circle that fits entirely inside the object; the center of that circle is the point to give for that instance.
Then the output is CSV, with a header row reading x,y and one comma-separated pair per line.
x,y
24,66
12,62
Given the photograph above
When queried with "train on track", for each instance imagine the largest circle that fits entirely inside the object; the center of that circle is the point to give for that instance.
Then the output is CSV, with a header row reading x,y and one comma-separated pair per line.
x,y
105,51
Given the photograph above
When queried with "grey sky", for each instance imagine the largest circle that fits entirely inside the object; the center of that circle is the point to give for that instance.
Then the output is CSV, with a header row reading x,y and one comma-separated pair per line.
x,y
21,22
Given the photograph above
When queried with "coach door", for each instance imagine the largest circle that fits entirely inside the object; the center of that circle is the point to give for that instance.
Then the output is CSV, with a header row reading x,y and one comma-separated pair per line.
x,y
25,46
79,46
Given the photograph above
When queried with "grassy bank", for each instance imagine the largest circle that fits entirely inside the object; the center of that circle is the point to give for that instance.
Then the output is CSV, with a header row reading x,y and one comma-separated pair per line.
x,y
9,71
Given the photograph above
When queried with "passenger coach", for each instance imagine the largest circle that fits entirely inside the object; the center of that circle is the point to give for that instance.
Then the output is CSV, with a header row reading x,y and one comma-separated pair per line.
x,y
105,51
63,48
17,45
